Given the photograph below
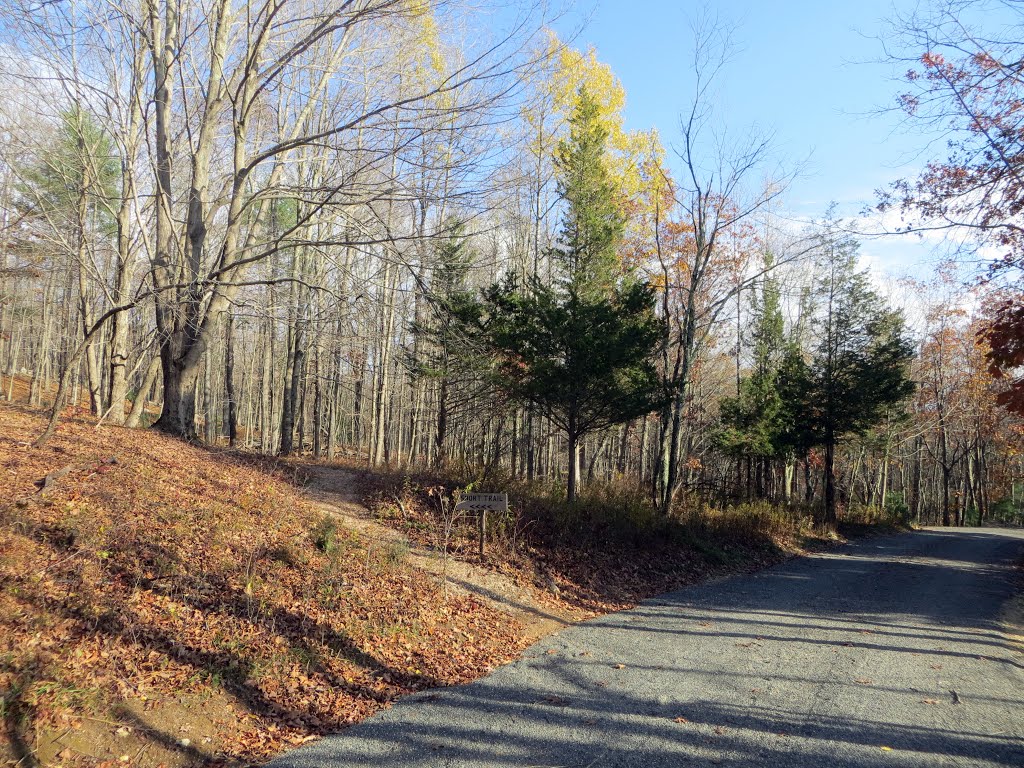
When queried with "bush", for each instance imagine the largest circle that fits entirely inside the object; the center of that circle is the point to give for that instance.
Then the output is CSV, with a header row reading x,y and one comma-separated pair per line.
x,y
620,511
872,514
325,535
896,507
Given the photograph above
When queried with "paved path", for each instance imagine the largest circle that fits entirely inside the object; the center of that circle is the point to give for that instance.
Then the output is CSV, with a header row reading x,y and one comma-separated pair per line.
x,y
887,652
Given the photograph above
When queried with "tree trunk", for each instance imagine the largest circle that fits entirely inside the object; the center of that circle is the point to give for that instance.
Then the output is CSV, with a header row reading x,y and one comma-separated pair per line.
x,y
574,464
946,472
830,517
291,394
442,424
139,406
229,379
180,378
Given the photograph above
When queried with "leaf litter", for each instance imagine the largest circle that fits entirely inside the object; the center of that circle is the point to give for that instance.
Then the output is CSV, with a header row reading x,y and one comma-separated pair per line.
x,y
152,571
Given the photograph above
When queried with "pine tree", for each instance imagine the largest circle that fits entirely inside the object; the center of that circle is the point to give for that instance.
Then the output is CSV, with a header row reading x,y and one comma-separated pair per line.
x,y
69,196
80,169
581,350
860,360
796,435
592,224
442,353
751,421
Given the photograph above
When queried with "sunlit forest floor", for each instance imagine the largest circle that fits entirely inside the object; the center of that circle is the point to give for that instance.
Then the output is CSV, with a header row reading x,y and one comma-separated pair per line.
x,y
167,603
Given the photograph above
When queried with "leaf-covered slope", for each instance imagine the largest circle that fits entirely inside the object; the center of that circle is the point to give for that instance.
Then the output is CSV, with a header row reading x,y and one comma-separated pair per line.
x,y
151,570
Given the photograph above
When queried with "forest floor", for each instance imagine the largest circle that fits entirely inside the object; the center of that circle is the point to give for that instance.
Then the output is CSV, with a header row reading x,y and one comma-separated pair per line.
x,y
167,604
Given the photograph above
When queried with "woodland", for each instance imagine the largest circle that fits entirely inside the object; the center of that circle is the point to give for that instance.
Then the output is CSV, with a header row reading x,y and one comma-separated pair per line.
x,y
417,235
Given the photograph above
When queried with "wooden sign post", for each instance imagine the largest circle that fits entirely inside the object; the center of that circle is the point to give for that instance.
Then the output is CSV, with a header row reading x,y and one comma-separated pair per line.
x,y
483,503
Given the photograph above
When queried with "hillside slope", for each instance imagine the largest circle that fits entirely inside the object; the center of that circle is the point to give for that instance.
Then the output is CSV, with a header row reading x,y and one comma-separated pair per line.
x,y
165,603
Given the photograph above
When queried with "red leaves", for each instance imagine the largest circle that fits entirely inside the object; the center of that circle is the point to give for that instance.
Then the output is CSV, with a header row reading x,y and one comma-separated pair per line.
x,y
1005,338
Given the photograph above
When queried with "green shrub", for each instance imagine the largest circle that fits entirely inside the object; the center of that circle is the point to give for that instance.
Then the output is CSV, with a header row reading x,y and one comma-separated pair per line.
x,y
325,535
396,552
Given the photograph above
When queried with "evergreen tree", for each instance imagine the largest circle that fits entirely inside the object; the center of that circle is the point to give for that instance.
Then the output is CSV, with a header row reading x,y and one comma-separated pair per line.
x,y
75,184
442,353
795,436
592,224
68,197
860,361
581,350
750,422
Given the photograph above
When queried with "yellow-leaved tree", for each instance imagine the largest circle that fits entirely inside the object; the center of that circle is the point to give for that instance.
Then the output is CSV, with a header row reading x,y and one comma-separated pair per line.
x,y
632,157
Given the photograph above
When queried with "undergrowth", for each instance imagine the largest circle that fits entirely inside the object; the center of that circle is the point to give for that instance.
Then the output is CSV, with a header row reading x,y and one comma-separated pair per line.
x,y
609,549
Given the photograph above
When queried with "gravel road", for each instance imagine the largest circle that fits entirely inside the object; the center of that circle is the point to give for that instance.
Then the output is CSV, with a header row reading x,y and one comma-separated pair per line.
x,y
886,652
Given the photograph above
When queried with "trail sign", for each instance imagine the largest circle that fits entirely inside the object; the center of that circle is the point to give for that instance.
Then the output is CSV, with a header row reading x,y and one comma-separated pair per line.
x,y
484,502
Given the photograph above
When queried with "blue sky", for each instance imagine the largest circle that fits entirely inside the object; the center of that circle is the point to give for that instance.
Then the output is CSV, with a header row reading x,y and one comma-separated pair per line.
x,y
809,72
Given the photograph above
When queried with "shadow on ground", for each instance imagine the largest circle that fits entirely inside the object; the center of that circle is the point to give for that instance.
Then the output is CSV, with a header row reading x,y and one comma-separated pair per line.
x,y
886,652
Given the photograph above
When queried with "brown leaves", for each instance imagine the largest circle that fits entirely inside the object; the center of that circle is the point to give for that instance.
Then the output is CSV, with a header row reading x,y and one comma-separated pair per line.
x,y
179,573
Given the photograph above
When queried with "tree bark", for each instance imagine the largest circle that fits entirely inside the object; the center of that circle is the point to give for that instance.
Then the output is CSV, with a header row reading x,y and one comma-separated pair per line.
x,y
830,517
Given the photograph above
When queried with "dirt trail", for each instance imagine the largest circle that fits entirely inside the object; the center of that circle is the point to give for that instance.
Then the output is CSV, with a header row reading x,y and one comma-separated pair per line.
x,y
333,491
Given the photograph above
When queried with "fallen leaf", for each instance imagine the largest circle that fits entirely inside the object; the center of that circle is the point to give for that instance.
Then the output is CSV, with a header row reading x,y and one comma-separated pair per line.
x,y
680,719
863,680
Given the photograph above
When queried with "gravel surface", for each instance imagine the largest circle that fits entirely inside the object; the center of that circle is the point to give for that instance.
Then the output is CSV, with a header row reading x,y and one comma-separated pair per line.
x,y
886,652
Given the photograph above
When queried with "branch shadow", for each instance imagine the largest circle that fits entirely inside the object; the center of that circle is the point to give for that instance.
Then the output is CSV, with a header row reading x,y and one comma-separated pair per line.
x,y
668,685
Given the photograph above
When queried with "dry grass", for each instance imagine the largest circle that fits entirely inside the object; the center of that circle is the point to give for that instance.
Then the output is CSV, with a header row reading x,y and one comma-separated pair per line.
x,y
609,551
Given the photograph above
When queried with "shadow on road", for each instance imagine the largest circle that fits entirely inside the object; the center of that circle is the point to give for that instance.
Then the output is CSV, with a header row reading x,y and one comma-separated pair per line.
x,y
887,652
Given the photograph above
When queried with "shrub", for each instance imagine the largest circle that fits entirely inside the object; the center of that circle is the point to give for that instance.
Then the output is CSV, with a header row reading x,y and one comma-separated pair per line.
x,y
325,535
